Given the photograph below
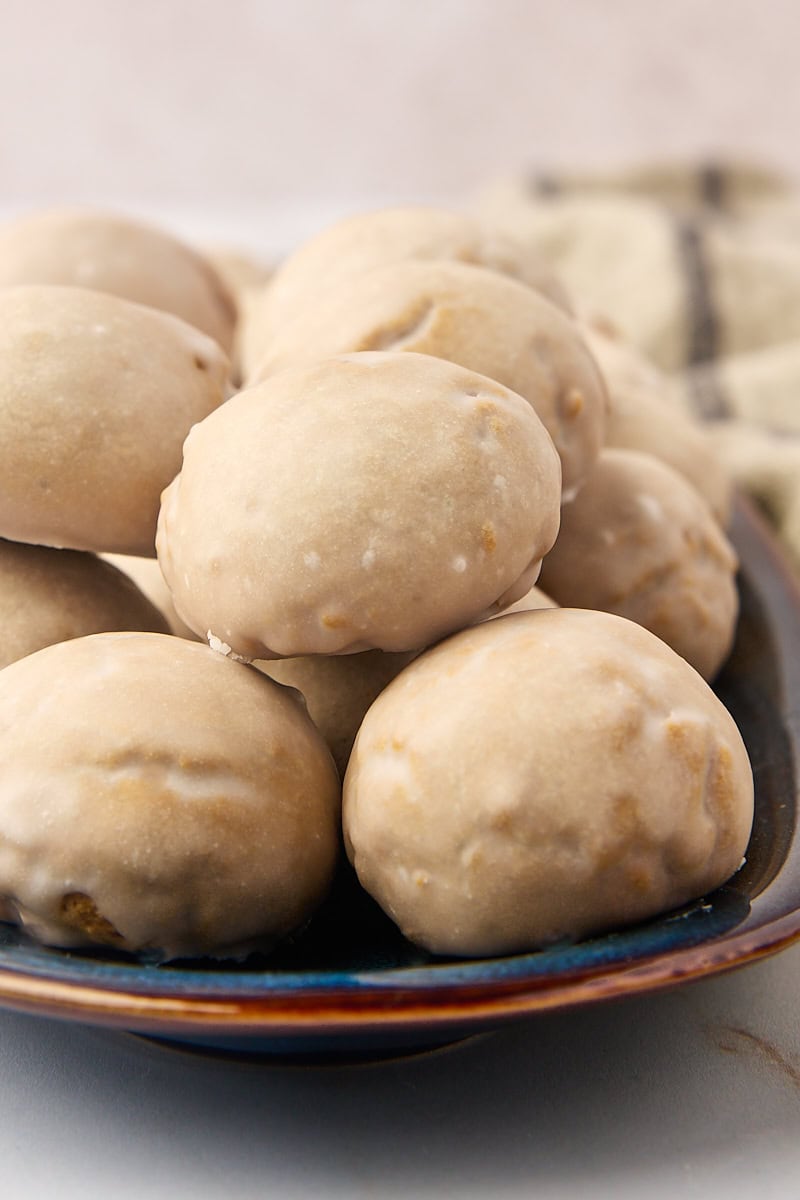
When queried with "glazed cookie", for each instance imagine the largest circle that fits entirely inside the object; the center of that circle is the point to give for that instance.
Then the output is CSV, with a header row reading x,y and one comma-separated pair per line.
x,y
543,776
111,253
642,417
638,540
49,596
329,261
96,397
146,574
532,600
157,798
245,278
241,273
338,690
468,315
372,501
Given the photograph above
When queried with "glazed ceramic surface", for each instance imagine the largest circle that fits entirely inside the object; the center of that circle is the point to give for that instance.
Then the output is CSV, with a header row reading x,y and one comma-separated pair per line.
x,y
352,986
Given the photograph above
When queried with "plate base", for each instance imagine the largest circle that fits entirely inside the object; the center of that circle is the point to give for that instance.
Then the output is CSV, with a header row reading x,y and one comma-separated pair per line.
x,y
315,1053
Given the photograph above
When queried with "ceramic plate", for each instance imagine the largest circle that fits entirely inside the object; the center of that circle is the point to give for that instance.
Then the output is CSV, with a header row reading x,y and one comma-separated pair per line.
x,y
351,986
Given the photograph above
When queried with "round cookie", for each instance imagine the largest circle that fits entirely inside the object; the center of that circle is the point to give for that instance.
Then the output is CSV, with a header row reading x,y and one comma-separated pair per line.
x,y
641,416
245,278
638,540
373,501
146,574
471,316
547,775
49,596
111,253
242,273
336,255
338,690
96,397
532,600
160,799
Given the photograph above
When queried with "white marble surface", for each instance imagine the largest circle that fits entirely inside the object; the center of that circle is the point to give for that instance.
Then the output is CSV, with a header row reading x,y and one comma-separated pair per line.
x,y
694,1093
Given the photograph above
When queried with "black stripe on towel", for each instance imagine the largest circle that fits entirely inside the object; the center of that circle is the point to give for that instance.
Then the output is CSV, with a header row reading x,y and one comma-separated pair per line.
x,y
543,184
712,180
708,398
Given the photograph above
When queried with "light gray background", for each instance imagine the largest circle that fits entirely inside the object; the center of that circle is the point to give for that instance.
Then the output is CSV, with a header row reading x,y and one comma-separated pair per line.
x,y
253,116
252,122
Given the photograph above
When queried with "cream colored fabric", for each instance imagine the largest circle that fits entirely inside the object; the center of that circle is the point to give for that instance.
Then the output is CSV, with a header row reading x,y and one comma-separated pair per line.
x,y
729,187
699,268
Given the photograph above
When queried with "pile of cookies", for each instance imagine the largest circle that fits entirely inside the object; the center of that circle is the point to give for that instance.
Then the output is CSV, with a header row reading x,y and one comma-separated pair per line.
x,y
352,475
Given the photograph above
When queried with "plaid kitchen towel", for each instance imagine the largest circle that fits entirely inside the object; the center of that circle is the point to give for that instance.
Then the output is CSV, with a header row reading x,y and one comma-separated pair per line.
x,y
698,267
